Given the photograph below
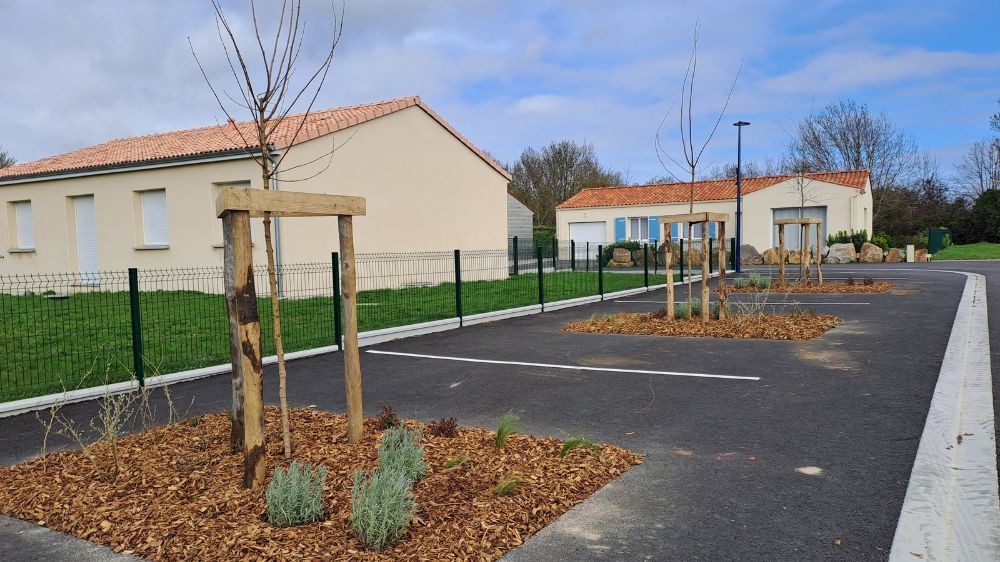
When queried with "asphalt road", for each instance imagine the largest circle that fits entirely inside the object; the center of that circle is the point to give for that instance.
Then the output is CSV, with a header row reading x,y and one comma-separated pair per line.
x,y
720,480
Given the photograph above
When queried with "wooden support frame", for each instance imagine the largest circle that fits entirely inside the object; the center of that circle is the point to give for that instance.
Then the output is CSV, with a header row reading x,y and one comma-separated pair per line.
x,y
805,231
235,207
704,219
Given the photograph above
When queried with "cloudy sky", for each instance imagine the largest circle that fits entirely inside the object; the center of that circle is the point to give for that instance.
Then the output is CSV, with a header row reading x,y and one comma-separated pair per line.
x,y
516,74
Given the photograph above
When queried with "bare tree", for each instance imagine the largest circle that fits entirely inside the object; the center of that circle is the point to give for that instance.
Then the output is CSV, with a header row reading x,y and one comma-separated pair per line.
x,y
270,87
979,168
846,135
691,150
6,159
751,169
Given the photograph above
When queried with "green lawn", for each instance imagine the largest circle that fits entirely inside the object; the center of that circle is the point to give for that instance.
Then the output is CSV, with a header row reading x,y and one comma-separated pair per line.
x,y
977,251
48,343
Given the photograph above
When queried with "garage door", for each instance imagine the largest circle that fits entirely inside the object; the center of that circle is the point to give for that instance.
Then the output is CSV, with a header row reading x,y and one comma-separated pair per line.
x,y
587,235
792,232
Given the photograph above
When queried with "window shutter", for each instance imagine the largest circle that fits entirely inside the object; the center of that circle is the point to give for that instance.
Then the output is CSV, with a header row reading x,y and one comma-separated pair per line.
x,y
654,228
619,229
154,218
711,229
25,225
675,231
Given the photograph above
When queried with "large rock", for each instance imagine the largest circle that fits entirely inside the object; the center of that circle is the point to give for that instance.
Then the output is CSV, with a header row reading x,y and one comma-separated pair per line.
x,y
921,256
795,256
693,257
770,256
870,253
894,255
750,256
621,255
841,253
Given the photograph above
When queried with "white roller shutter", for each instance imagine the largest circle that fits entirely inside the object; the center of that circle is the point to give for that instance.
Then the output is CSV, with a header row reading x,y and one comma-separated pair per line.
x,y
154,218
25,225
86,238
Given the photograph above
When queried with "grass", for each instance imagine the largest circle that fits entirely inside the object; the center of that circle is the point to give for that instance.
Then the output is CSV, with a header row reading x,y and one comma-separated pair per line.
x,y
977,251
508,426
507,486
48,345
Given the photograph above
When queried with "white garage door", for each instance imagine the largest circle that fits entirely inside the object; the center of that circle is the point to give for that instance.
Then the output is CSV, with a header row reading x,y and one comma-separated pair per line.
x,y
587,235
792,232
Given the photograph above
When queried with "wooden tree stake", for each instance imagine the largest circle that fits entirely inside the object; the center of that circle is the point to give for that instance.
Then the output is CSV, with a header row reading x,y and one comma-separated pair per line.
x,y
819,253
352,359
244,333
705,273
722,270
804,244
781,254
669,252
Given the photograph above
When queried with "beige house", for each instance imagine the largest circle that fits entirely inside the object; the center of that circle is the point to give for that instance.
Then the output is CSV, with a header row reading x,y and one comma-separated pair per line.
x,y
603,215
148,202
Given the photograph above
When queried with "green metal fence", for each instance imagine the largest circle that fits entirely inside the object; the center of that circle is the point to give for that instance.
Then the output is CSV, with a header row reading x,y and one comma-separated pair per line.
x,y
67,331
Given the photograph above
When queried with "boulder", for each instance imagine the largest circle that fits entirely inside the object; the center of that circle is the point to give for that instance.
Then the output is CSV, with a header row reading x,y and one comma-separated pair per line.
x,y
795,256
750,256
693,257
921,256
870,253
894,255
842,253
770,256
621,255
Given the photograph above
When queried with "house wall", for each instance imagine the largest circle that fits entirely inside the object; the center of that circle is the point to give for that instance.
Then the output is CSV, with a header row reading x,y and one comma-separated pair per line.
x,y
846,210
425,190
520,219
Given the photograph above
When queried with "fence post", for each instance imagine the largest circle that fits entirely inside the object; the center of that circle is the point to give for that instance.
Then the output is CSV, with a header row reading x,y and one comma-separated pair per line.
x,y
600,271
541,279
133,293
458,285
572,255
645,264
588,257
338,329
680,259
555,253
656,257
710,255
517,257
732,253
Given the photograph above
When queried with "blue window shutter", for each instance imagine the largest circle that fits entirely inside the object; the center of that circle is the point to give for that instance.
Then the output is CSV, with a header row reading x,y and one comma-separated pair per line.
x,y
675,230
711,229
619,229
654,228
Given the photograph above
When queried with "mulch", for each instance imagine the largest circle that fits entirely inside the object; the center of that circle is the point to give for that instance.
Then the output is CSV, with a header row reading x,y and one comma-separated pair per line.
x,y
801,326
178,495
826,287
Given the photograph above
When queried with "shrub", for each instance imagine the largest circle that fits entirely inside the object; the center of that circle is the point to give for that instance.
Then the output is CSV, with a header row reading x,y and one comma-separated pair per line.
x,y
986,216
386,419
508,425
295,496
843,237
507,486
760,281
688,309
713,309
850,280
741,282
456,461
575,442
444,427
882,241
382,507
400,451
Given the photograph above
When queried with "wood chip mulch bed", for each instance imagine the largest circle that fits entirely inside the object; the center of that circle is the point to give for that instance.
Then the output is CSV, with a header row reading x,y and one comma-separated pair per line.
x,y
826,287
802,326
178,494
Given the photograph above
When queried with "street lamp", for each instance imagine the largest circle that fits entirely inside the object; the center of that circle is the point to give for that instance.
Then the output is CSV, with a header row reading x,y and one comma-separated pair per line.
x,y
739,192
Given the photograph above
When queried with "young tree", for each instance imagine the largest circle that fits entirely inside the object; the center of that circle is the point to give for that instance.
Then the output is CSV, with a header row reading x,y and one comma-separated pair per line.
x,y
979,168
690,149
542,179
271,86
6,159
846,135
751,169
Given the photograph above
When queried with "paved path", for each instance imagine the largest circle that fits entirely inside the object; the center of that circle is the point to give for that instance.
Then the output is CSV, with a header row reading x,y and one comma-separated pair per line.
x,y
730,471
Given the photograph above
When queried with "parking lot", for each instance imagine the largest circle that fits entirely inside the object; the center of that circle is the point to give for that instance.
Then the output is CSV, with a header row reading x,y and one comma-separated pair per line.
x,y
755,449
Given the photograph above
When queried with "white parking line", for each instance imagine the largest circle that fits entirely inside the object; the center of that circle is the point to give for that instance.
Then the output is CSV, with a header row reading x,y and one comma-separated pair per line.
x,y
789,303
570,367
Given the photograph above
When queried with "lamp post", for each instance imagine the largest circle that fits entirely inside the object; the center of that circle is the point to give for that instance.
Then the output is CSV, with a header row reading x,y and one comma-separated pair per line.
x,y
739,192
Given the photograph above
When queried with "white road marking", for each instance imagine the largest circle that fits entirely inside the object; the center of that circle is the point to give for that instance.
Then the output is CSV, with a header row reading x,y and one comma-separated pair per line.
x,y
810,470
790,303
554,366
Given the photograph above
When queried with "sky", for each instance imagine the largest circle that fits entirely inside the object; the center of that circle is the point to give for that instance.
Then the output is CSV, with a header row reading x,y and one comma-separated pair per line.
x,y
511,74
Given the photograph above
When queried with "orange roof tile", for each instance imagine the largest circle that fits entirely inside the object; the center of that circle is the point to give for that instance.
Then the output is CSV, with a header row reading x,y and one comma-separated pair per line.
x,y
710,190
222,139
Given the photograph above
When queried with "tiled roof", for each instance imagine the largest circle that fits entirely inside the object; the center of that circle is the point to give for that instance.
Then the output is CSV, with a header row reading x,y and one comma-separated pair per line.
x,y
222,139
711,190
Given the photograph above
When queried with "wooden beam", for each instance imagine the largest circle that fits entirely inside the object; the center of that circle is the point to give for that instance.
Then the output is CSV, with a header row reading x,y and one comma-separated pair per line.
x,y
669,253
706,261
781,253
819,253
244,335
352,357
259,202
722,270
797,221
804,231
695,217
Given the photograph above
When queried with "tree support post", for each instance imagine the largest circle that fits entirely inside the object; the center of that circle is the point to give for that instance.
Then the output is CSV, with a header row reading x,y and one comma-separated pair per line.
x,y
668,249
819,253
781,254
705,275
804,245
722,270
352,357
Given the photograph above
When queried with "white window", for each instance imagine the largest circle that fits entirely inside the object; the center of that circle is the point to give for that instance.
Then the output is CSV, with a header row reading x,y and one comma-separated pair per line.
x,y
695,230
153,206
24,227
638,228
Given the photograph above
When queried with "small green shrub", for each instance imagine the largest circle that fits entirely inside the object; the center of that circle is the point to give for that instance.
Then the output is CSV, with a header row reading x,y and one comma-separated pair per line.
x,y
193,421
382,507
741,282
713,309
760,281
508,425
507,486
401,451
456,461
687,309
387,418
575,442
295,496
882,241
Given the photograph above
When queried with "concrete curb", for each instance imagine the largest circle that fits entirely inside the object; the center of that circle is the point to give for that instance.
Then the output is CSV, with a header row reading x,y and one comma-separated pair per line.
x,y
951,511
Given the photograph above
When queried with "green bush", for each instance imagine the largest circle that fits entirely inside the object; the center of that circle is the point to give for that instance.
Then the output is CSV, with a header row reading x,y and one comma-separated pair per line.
x,y
986,215
882,241
295,496
760,281
382,507
741,282
400,451
687,309
508,425
713,309
843,237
